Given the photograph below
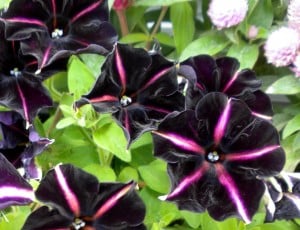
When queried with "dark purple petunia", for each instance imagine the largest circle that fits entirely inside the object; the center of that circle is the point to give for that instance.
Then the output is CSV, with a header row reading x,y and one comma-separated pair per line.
x,y
53,29
19,89
21,145
137,87
215,156
207,74
14,189
283,193
79,201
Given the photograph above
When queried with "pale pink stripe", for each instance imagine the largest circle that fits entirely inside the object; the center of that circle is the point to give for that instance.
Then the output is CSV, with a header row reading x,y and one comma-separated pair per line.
x,y
26,21
15,192
235,76
121,70
253,154
87,10
155,78
157,109
46,57
68,193
229,184
113,200
23,100
261,116
181,142
103,98
187,181
222,122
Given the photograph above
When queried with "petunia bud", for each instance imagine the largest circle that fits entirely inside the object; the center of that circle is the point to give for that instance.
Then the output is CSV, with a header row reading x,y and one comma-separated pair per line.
x,y
282,53
122,4
229,14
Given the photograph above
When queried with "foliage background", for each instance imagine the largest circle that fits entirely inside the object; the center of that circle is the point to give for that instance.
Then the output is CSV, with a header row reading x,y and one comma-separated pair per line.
x,y
96,144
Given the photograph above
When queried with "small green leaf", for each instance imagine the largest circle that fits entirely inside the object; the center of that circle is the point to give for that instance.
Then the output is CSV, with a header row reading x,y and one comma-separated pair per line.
x,y
80,78
157,2
296,143
155,176
193,219
14,220
246,54
103,173
165,39
209,43
287,85
111,138
181,15
65,122
292,126
134,38
128,174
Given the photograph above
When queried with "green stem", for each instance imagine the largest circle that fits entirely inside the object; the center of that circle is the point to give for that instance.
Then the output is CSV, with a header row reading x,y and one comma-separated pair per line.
x,y
58,114
105,157
123,22
87,136
162,14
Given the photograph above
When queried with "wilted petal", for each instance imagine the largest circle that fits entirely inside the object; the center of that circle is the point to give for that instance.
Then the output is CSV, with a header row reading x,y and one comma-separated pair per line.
x,y
14,190
25,94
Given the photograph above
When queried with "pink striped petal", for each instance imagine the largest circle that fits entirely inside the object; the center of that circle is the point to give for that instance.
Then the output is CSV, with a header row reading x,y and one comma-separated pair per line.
x,y
86,11
222,123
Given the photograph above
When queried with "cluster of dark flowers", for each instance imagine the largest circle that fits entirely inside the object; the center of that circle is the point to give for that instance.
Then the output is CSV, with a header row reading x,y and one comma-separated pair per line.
x,y
214,130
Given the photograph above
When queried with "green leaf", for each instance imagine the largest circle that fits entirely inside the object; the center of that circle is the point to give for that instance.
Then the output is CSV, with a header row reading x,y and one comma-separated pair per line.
x,y
292,126
4,3
165,39
134,38
80,78
296,142
157,2
155,176
15,219
262,13
287,85
111,138
209,43
65,122
128,174
93,62
279,225
103,173
193,219
246,54
181,15
292,156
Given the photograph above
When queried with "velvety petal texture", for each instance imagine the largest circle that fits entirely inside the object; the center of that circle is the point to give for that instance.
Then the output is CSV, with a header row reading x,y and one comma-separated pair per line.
x,y
137,87
21,145
207,74
53,29
79,201
14,189
216,155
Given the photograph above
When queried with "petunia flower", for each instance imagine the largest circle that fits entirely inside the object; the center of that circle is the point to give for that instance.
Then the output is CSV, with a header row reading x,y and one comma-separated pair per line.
x,y
293,14
281,53
216,155
14,189
229,14
78,201
21,145
55,29
207,74
137,87
283,193
19,89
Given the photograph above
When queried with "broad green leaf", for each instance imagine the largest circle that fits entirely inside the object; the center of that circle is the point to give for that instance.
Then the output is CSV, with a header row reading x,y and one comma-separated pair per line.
x,y
103,173
111,138
93,62
246,54
155,176
209,43
80,78
279,225
262,13
65,122
181,15
296,142
128,174
292,156
15,219
4,3
292,126
165,39
157,2
193,219
287,85
134,38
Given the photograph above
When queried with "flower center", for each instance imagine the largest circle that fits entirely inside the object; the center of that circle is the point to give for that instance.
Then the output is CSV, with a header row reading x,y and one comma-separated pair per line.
x,y
125,100
213,156
57,33
15,72
78,224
